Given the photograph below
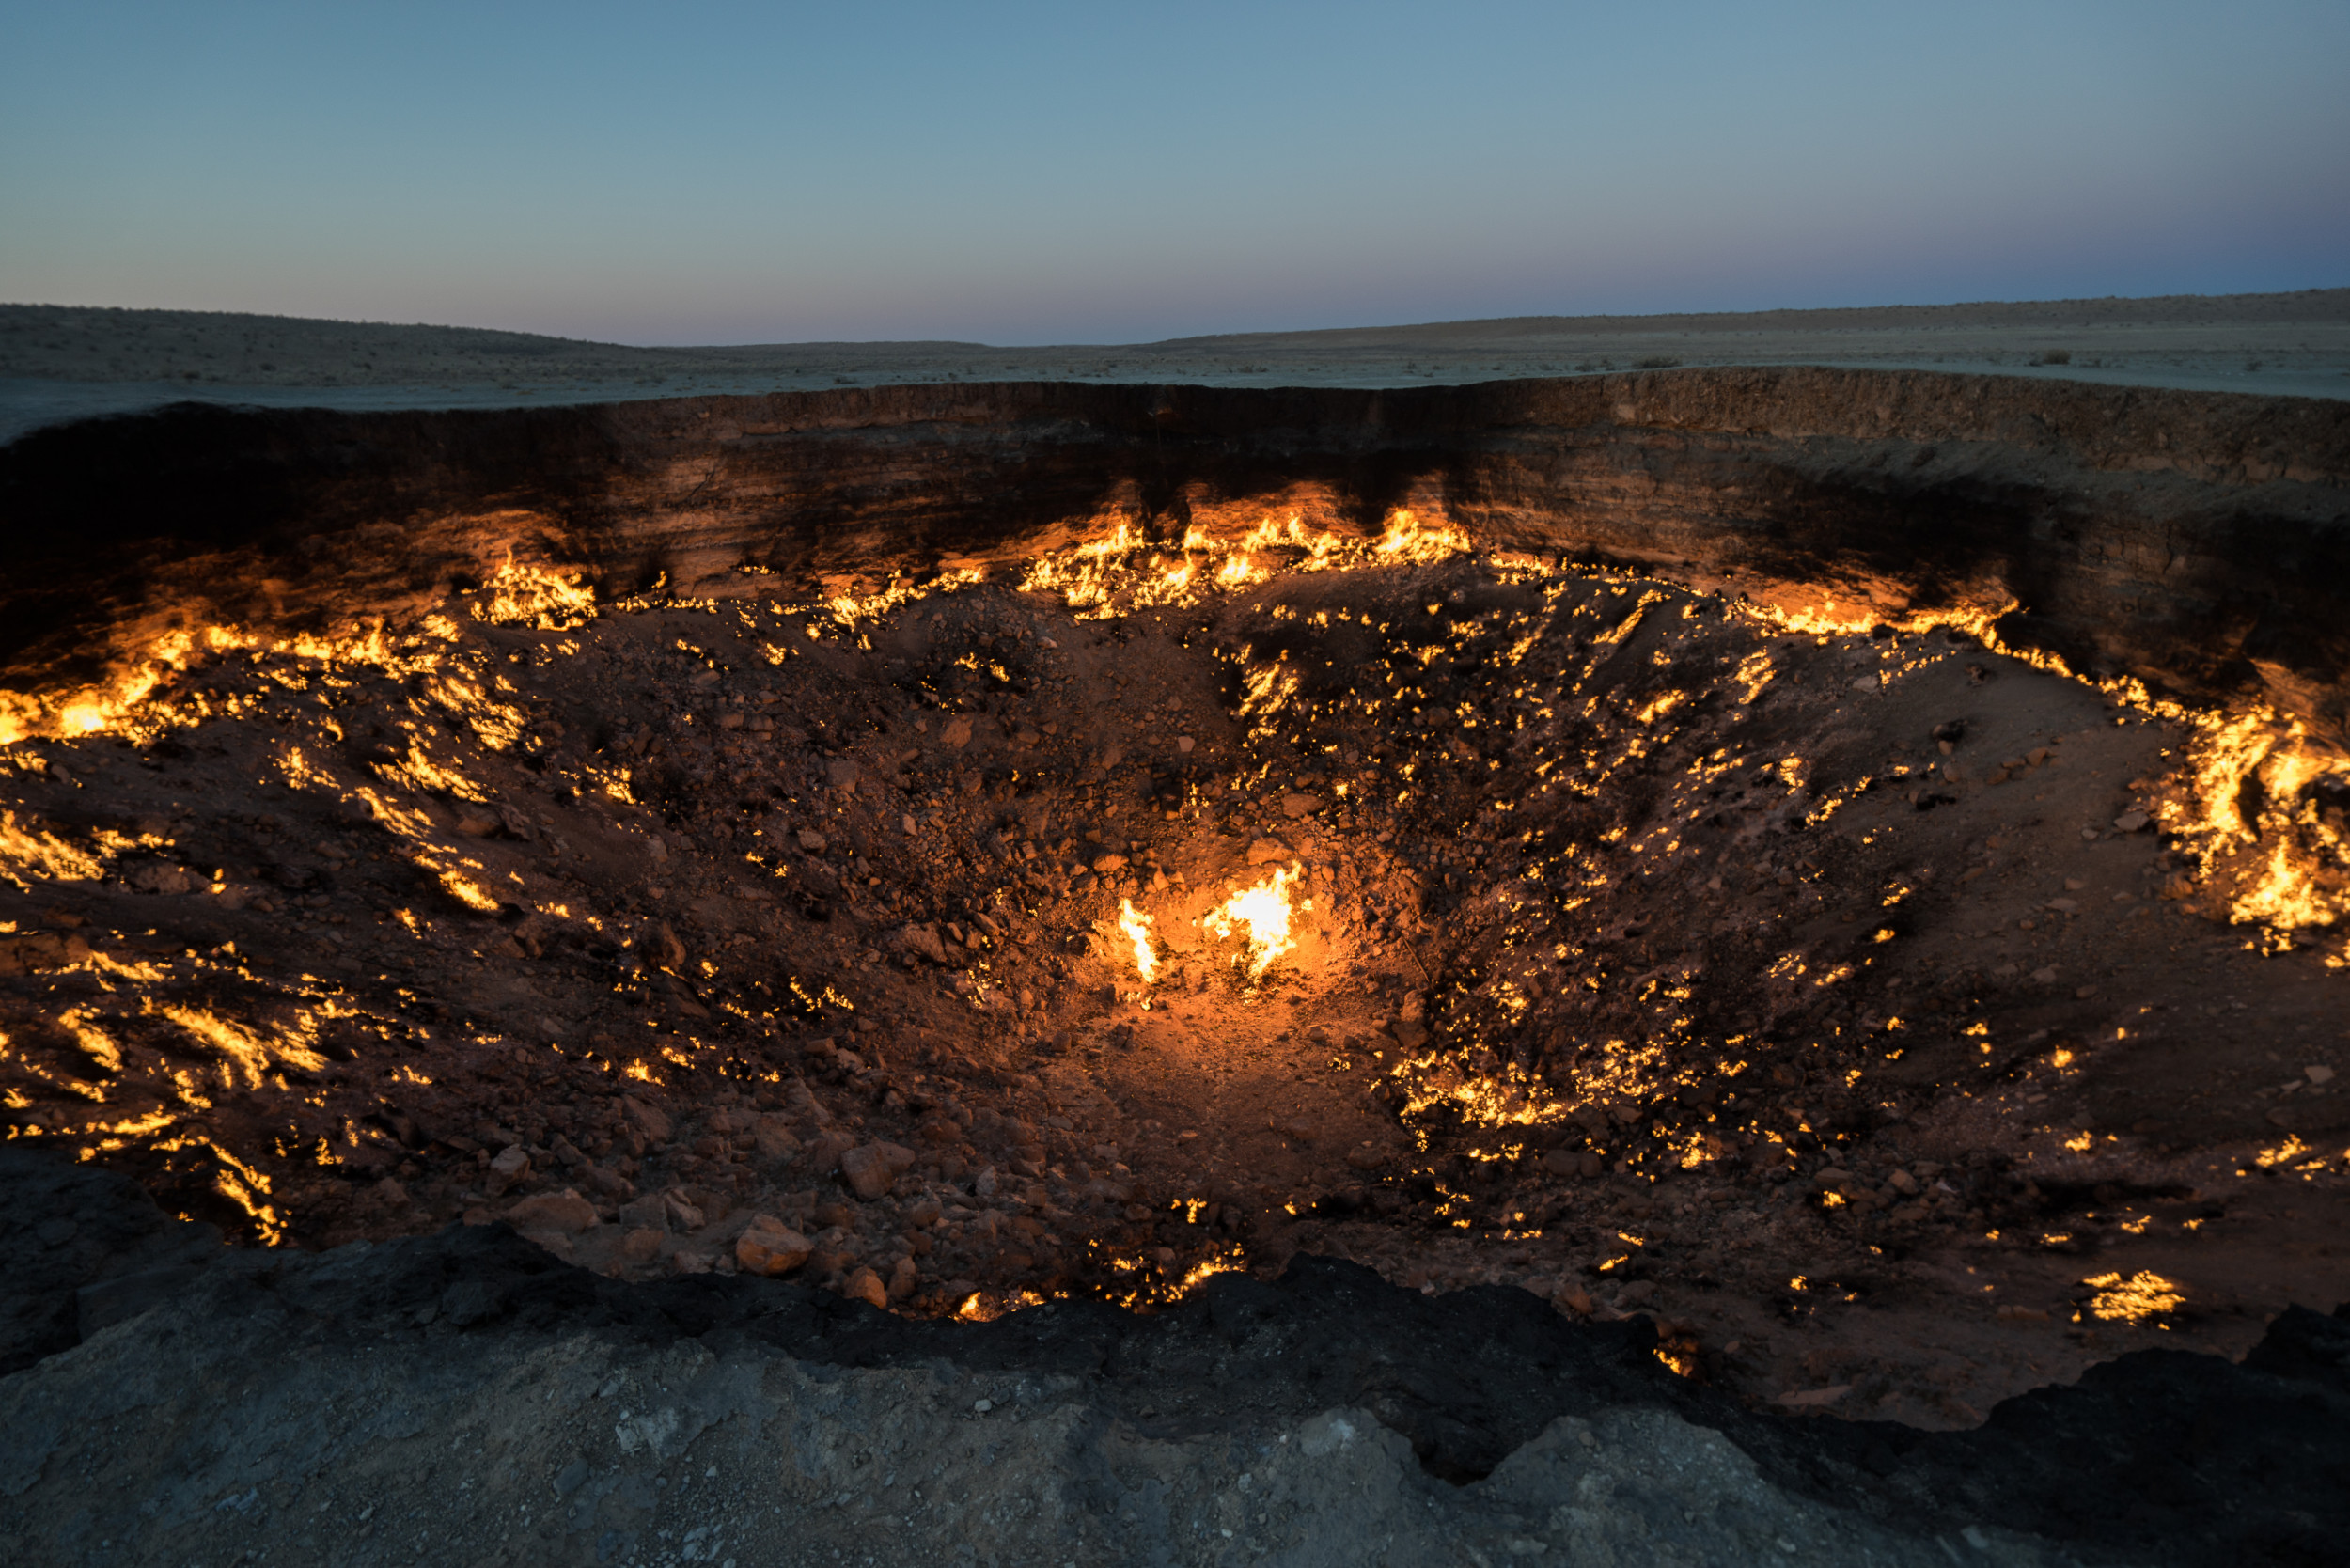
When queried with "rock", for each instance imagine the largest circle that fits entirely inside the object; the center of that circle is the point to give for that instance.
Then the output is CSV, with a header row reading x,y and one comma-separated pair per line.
x,y
2131,821
1184,743
2318,1074
1265,851
866,1286
903,1279
955,733
775,1142
683,1215
825,1153
1865,683
1294,805
1564,1162
769,1247
1812,1399
922,940
1365,1158
873,1169
654,1123
812,841
841,774
641,1245
157,877
608,1183
511,1164
1572,1298
667,949
2045,976
1104,864
565,1213
1901,1180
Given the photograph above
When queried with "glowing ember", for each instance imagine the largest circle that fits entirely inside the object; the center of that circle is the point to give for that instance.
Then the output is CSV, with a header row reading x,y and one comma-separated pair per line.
x,y
1136,925
1264,909
2140,1296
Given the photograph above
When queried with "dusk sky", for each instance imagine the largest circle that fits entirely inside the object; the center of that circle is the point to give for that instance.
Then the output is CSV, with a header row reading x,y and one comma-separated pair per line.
x,y
1114,173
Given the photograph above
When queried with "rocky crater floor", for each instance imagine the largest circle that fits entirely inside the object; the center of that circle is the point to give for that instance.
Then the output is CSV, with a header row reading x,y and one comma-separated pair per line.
x,y
1617,1020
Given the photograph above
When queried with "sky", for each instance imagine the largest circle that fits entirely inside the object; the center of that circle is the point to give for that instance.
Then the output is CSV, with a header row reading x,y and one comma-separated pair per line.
x,y
1107,172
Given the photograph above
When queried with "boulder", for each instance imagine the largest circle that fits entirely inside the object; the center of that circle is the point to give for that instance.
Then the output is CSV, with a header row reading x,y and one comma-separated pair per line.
x,y
565,1213
767,1245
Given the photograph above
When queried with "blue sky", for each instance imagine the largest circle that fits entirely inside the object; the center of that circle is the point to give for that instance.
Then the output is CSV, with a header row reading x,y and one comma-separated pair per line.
x,y
1111,173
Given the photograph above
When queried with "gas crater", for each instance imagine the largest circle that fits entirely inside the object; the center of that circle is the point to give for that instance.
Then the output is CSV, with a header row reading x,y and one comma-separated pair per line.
x,y
1760,853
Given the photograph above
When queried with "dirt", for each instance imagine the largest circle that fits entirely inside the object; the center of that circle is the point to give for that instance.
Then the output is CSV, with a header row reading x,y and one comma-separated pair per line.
x,y
467,1394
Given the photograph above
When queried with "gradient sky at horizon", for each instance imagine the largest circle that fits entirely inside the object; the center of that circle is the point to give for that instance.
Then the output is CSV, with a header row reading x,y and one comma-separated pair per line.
x,y
1065,173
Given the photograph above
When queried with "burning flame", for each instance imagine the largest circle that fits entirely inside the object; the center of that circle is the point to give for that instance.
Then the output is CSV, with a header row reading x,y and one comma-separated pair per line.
x,y
534,596
1136,925
1264,909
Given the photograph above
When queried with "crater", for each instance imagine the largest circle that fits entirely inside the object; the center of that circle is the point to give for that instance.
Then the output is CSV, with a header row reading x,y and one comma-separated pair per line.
x,y
1846,867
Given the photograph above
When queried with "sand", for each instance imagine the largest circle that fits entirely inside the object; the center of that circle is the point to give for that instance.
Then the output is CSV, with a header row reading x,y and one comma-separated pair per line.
x,y
57,362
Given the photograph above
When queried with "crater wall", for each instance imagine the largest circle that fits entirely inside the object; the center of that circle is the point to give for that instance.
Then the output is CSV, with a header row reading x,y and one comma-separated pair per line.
x,y
2199,541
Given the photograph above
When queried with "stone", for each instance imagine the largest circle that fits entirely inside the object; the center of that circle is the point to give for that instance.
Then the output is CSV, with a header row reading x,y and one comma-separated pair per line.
x,y
866,1286
2317,1072
641,1245
511,1164
843,773
683,1215
1184,743
1365,1158
2046,976
903,1279
650,1213
825,1153
812,841
2131,821
1104,864
1265,851
565,1213
646,1120
1902,1181
956,733
769,1247
873,1169
775,1142
1294,805
922,941
1814,1399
